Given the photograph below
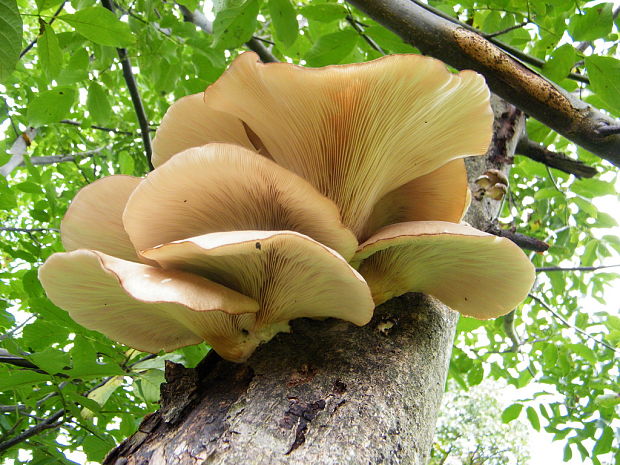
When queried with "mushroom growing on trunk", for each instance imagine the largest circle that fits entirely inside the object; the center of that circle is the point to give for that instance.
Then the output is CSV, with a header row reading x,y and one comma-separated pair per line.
x,y
263,189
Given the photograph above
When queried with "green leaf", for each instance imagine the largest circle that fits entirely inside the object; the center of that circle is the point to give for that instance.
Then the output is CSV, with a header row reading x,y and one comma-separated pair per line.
x,y
594,24
126,163
284,21
98,104
332,48
324,12
584,352
604,443
10,37
532,416
234,23
475,374
100,25
8,201
50,55
150,382
511,412
593,188
50,360
550,355
96,447
50,106
561,63
568,453
604,74
608,400
15,379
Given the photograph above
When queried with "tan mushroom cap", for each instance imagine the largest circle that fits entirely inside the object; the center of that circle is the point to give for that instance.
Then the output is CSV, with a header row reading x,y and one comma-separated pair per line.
x,y
189,122
473,272
441,195
144,307
288,274
357,132
223,187
94,218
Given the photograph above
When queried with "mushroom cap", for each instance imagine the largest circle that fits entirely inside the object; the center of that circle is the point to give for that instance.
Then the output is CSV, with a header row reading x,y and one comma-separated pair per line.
x,y
357,132
94,218
189,122
441,195
224,187
144,307
472,272
290,275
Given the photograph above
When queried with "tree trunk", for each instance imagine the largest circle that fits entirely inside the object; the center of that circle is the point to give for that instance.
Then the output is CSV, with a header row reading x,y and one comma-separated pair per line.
x,y
327,393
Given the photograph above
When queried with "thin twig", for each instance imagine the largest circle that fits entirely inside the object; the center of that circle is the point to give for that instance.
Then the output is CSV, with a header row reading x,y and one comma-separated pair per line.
x,y
567,324
15,328
52,159
557,160
523,241
135,94
362,33
29,230
547,269
34,41
507,30
608,130
101,128
49,423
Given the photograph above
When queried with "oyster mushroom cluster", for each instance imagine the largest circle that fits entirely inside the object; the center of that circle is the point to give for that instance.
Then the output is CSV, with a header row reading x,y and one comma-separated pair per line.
x,y
285,192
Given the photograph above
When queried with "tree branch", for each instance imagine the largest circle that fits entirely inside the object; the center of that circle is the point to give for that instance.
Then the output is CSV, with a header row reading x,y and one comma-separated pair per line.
x,y
18,149
507,77
134,93
567,324
52,159
547,269
364,36
101,128
515,52
29,230
49,423
205,25
523,241
558,160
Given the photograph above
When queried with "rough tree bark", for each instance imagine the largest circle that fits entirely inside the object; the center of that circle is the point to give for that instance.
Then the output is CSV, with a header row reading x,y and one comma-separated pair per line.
x,y
327,393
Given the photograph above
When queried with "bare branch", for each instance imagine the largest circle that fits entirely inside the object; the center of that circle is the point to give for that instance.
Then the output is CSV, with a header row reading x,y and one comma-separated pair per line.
x,y
18,361
52,159
523,241
567,324
361,32
507,30
49,423
507,77
29,230
557,160
547,269
134,93
515,52
205,25
101,128
18,149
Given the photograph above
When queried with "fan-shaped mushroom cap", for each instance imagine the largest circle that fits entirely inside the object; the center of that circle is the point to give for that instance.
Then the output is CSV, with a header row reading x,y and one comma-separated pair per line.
x,y
441,195
223,187
147,308
94,218
189,122
289,274
357,132
473,272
